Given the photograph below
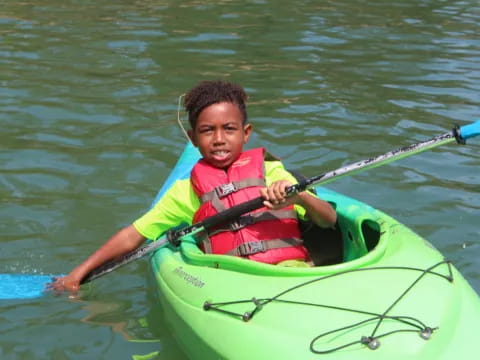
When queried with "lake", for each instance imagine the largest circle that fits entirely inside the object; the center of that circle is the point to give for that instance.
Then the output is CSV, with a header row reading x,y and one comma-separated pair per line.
x,y
88,115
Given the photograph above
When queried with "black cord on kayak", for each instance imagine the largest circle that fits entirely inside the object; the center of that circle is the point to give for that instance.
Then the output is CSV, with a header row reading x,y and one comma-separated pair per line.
x,y
371,341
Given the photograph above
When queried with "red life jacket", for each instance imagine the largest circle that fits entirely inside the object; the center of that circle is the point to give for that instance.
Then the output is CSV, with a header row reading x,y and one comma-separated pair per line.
x,y
263,235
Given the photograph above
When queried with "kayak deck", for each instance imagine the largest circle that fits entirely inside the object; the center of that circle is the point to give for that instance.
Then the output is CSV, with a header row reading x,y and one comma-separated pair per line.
x,y
379,291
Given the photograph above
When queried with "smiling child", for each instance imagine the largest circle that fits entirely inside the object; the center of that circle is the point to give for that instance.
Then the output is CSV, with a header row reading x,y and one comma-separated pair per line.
x,y
225,176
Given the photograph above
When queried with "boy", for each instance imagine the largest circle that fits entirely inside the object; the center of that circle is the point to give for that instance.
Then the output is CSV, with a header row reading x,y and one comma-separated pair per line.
x,y
225,176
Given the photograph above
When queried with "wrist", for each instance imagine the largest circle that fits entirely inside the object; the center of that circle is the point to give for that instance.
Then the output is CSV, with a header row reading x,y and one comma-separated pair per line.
x,y
302,199
77,274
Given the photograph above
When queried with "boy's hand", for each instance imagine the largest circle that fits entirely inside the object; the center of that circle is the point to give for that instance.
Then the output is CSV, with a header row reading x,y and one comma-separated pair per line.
x,y
64,283
317,210
275,195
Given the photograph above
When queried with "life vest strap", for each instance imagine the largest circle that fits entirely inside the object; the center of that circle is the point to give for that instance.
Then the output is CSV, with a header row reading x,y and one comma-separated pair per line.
x,y
255,247
253,218
231,187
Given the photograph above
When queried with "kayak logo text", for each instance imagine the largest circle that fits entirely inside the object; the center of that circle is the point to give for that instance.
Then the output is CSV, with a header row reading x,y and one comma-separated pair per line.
x,y
193,280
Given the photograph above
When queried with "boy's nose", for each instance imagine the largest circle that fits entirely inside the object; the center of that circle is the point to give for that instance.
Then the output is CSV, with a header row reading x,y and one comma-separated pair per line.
x,y
219,136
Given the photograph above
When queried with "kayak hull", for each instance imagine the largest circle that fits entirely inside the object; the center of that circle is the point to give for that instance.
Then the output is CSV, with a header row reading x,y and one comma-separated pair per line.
x,y
393,295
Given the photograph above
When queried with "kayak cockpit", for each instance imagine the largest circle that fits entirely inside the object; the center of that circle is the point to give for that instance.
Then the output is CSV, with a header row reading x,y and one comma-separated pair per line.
x,y
342,243
357,239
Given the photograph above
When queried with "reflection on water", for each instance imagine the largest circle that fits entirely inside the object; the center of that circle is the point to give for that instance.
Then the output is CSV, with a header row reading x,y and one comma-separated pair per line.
x,y
88,95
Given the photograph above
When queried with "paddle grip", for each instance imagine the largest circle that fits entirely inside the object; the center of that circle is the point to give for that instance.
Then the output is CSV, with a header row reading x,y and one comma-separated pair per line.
x,y
243,208
233,212
228,215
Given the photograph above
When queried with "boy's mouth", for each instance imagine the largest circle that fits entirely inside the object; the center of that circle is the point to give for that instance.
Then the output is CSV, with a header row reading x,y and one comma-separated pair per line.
x,y
220,155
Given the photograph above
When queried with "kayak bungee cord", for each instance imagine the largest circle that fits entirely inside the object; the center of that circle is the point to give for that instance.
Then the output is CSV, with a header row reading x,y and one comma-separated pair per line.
x,y
372,340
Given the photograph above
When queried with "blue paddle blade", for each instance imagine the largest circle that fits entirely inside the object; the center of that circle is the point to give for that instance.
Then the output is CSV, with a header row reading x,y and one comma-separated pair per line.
x,y
23,286
470,130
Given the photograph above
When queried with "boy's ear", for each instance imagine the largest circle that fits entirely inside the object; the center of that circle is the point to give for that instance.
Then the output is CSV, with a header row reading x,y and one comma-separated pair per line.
x,y
191,136
247,131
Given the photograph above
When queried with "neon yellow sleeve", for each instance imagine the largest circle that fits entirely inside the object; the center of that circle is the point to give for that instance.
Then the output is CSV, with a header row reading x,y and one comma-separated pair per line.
x,y
274,171
177,206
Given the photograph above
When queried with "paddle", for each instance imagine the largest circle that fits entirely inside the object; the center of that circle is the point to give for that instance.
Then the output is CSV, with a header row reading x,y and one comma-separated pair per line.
x,y
28,286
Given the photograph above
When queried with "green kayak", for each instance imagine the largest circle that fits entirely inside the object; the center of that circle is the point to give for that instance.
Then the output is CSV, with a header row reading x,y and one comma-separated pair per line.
x,y
379,291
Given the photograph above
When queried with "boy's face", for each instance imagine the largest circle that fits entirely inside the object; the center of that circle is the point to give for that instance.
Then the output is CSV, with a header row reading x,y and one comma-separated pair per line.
x,y
220,134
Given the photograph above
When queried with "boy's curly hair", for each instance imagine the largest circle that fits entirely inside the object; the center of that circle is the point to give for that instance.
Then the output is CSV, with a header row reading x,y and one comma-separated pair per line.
x,y
207,93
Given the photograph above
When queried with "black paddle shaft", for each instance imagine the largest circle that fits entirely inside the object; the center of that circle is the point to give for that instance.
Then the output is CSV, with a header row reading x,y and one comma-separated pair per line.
x,y
226,216
174,236
231,213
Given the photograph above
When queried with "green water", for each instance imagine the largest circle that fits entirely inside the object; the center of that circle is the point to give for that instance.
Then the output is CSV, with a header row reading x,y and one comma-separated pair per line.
x,y
88,101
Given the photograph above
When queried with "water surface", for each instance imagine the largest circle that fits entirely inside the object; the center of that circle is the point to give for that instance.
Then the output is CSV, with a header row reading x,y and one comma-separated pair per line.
x,y
88,108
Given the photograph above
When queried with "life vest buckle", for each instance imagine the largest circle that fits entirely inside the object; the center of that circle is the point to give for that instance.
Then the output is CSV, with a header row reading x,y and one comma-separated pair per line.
x,y
251,248
225,189
241,222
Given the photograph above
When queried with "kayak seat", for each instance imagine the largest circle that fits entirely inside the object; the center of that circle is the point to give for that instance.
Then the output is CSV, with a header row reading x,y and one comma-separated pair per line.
x,y
351,238
346,241
324,245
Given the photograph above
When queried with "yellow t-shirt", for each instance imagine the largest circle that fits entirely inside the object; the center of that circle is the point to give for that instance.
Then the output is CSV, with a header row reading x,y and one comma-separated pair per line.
x,y
178,205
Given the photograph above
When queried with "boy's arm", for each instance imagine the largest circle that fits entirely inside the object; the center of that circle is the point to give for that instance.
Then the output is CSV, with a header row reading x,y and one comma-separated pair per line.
x,y
119,244
319,211
176,206
278,178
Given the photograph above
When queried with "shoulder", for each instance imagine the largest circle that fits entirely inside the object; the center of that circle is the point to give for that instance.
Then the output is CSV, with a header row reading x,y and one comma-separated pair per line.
x,y
181,192
177,199
179,185
176,206
275,170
